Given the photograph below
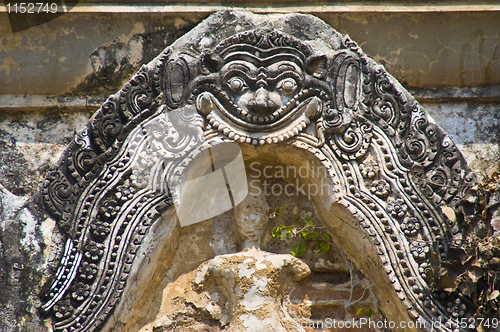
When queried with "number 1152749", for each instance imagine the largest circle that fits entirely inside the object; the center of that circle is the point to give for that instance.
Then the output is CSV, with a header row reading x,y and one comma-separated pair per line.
x,y
31,8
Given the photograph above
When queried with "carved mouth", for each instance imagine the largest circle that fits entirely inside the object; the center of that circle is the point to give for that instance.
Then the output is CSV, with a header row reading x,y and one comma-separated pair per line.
x,y
274,118
290,124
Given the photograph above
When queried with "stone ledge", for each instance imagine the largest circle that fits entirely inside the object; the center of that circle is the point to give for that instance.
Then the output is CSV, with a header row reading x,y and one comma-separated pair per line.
x,y
12,102
485,93
32,102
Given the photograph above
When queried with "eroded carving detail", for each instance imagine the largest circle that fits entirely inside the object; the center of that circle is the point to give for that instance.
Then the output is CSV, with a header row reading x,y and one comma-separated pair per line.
x,y
261,86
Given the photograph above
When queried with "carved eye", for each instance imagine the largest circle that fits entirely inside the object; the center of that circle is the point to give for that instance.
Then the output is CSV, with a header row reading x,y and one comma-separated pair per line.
x,y
287,86
237,84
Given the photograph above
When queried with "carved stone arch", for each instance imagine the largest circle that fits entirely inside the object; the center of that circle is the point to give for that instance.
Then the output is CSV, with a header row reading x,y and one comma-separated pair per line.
x,y
266,82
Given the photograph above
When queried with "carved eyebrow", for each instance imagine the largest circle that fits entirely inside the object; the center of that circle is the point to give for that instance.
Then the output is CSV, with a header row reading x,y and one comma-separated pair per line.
x,y
263,57
286,74
240,73
283,67
239,66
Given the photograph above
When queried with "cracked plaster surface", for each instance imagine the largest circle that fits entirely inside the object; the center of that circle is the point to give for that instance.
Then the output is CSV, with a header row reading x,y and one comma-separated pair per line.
x,y
73,54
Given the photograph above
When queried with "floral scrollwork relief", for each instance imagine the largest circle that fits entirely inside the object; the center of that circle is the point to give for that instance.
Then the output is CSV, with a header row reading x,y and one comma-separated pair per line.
x,y
268,85
380,188
419,249
397,208
410,226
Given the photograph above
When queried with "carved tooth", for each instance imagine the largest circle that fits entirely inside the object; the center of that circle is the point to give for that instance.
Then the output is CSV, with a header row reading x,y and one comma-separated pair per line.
x,y
290,134
204,103
303,124
248,140
275,139
236,137
260,119
269,140
307,120
281,138
226,131
295,130
243,139
231,135
267,119
212,120
313,107
262,142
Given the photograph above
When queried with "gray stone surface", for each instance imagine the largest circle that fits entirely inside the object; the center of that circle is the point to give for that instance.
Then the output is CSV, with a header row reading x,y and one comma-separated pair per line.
x,y
30,143
84,53
24,254
475,128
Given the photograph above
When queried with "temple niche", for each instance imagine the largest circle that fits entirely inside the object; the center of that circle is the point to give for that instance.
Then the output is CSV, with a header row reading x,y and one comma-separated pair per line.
x,y
165,198
212,285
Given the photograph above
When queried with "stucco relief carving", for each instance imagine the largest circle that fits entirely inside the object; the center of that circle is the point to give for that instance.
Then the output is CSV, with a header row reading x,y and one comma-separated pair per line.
x,y
273,82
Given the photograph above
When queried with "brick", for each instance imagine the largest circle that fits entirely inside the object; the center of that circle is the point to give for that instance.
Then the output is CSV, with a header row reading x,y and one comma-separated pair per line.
x,y
323,311
358,292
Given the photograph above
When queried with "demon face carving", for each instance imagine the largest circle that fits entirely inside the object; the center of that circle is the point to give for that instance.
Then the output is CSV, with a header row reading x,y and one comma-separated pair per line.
x,y
260,86
261,77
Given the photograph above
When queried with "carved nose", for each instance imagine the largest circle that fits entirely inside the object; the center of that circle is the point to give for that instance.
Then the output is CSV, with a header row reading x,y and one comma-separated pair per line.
x,y
261,103
261,97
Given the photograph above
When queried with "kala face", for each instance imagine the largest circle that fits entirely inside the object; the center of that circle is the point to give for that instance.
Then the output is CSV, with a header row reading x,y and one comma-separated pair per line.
x,y
259,91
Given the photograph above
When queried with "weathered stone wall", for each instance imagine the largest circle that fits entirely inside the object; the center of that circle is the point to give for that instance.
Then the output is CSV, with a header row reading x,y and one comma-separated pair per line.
x,y
54,76
73,55
449,60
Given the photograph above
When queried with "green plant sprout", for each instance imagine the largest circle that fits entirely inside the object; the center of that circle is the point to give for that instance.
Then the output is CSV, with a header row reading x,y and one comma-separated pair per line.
x,y
368,311
306,233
